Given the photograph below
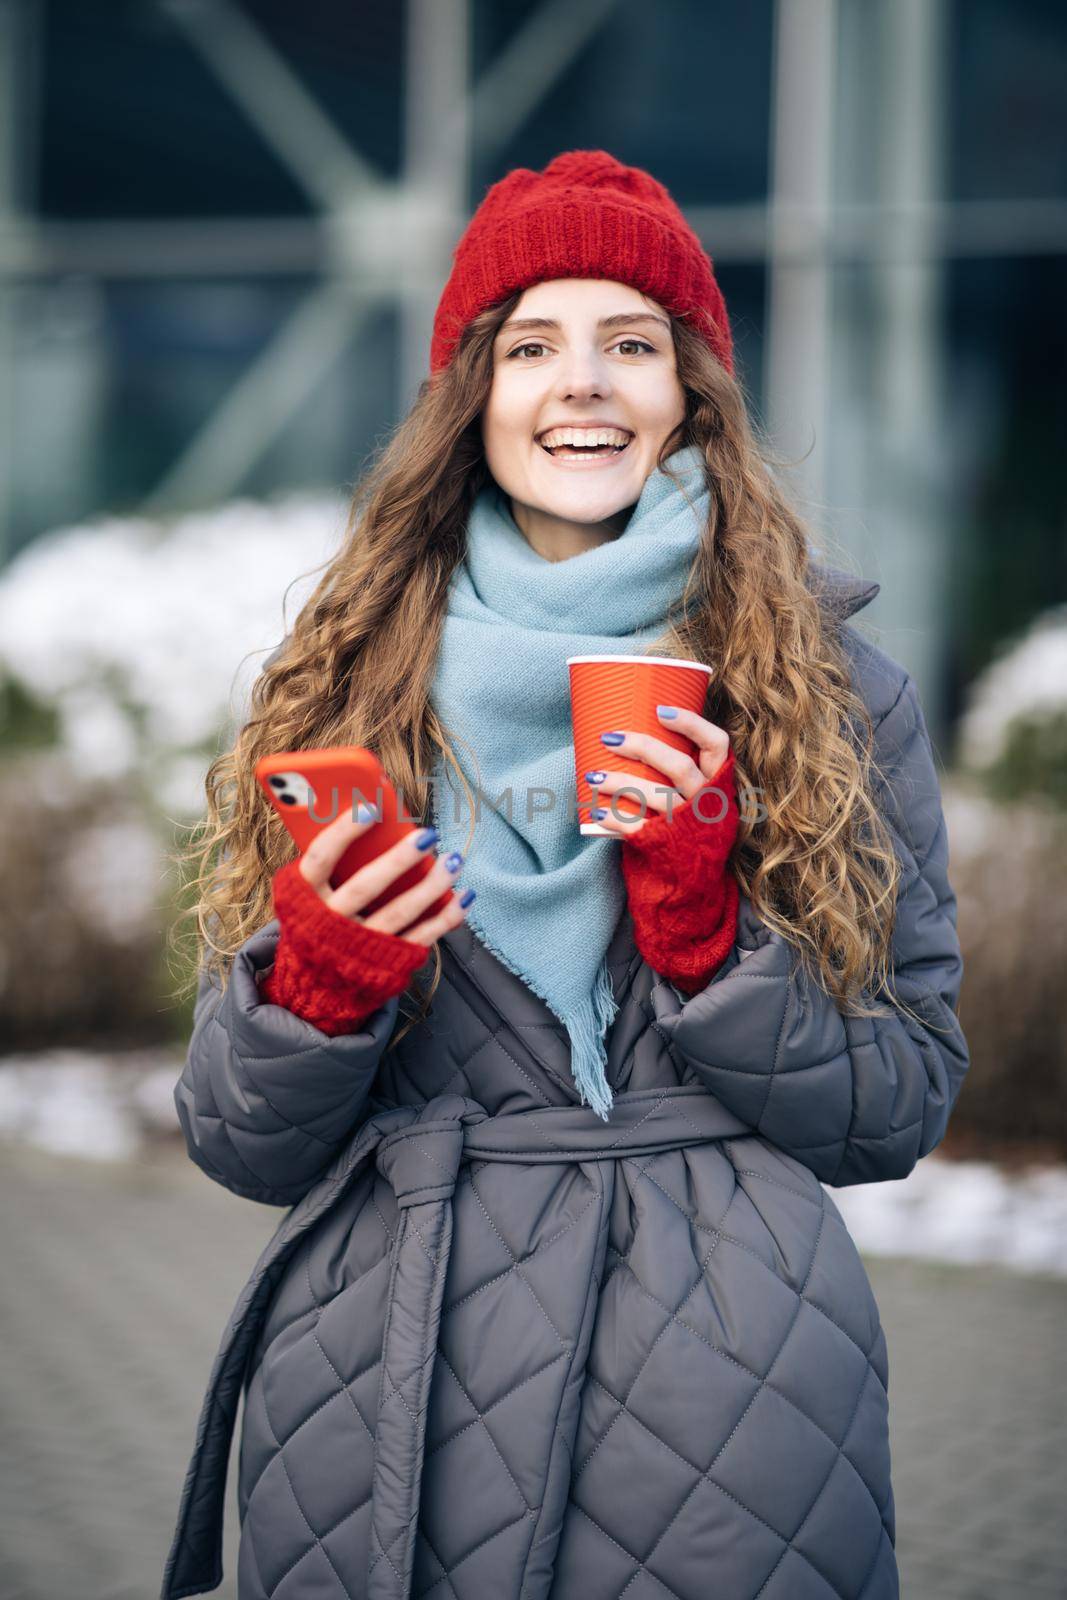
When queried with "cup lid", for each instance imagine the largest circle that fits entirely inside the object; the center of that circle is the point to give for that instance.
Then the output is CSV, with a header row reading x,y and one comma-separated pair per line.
x,y
652,661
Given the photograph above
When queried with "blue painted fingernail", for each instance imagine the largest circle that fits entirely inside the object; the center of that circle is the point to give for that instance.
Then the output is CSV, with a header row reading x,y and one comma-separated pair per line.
x,y
595,777
366,813
597,813
426,838
667,711
454,861
613,738
467,896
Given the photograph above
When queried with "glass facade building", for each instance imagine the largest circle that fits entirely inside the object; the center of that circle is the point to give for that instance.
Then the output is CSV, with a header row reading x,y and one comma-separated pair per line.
x,y
223,230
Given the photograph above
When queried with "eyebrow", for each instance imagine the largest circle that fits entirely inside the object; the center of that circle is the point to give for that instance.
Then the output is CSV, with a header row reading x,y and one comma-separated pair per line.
x,y
619,320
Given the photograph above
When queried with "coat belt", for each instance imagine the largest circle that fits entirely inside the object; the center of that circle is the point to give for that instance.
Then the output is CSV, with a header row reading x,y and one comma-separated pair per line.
x,y
418,1150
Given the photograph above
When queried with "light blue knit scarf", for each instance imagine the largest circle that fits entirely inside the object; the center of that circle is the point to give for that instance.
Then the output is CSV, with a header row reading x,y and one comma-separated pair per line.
x,y
549,898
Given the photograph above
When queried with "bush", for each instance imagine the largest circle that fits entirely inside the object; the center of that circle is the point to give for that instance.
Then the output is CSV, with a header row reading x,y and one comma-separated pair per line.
x,y
82,954
1009,869
1013,736
127,649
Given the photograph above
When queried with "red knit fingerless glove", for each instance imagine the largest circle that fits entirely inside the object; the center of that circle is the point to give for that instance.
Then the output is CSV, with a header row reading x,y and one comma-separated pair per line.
x,y
683,898
328,969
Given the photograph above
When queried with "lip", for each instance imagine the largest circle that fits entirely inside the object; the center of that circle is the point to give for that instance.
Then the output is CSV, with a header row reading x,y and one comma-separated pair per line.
x,y
588,463
587,424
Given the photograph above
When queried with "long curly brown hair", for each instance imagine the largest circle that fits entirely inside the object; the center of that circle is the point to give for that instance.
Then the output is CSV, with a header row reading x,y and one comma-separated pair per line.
x,y
357,666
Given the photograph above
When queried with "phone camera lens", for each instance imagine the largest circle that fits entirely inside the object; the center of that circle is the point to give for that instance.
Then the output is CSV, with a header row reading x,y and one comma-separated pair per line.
x,y
276,782
288,799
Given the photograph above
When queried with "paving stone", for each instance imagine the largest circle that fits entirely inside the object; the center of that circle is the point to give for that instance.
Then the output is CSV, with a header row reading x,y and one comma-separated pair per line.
x,y
978,1428
119,1278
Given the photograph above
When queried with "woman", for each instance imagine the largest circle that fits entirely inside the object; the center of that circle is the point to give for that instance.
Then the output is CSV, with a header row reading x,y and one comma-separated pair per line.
x,y
562,1307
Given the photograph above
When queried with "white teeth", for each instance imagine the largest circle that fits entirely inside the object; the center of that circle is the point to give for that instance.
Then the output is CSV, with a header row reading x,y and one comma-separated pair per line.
x,y
589,437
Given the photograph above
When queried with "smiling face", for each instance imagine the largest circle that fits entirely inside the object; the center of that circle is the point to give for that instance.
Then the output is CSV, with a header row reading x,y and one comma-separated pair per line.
x,y
596,360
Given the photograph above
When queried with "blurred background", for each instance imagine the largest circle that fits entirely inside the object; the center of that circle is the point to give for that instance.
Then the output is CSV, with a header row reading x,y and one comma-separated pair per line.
x,y
224,226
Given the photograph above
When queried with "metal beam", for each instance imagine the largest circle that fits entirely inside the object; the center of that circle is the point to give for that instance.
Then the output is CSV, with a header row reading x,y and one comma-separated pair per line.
x,y
264,247
909,485
289,120
19,112
797,347
435,178
261,402
529,66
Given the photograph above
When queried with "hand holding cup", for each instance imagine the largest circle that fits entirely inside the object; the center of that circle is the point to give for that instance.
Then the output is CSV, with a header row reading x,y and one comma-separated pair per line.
x,y
660,760
683,775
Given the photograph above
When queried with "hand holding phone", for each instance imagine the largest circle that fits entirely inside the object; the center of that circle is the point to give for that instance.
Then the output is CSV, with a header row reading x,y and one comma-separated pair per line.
x,y
369,868
422,913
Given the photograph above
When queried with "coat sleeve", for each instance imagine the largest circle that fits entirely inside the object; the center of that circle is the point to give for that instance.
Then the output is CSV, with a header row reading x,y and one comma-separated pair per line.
x,y
265,1100
856,1099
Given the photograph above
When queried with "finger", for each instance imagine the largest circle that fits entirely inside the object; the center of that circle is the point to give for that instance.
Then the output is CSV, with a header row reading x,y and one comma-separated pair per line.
x,y
677,766
621,827
712,741
368,882
430,929
621,823
403,909
329,845
656,795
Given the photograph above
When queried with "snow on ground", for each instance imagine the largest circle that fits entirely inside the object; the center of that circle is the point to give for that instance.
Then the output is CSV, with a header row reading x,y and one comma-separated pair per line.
x,y
100,1107
106,1107
964,1211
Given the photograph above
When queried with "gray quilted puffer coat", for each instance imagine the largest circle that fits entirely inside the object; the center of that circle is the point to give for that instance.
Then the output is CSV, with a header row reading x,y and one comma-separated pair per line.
x,y
501,1350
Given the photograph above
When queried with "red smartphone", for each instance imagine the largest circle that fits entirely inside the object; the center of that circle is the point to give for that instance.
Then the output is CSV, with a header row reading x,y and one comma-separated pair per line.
x,y
310,788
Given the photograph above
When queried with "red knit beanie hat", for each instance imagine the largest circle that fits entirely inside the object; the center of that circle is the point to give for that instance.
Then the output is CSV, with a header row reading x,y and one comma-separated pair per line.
x,y
585,216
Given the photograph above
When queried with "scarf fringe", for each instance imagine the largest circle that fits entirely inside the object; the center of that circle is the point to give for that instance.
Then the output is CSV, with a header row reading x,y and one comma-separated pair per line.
x,y
587,1026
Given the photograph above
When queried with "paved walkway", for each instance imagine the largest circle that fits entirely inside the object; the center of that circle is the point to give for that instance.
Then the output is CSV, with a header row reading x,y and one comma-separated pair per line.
x,y
118,1279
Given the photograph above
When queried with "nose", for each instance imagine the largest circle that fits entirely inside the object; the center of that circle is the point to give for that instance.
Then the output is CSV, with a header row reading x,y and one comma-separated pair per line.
x,y
582,376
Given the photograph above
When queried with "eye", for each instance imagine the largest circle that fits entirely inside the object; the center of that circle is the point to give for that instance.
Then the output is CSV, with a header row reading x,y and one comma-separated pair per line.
x,y
535,344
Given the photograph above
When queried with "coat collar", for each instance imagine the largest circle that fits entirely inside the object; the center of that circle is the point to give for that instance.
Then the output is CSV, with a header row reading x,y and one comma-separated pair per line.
x,y
841,594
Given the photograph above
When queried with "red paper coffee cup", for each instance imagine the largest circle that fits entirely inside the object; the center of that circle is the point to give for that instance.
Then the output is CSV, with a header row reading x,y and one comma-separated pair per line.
x,y
623,692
